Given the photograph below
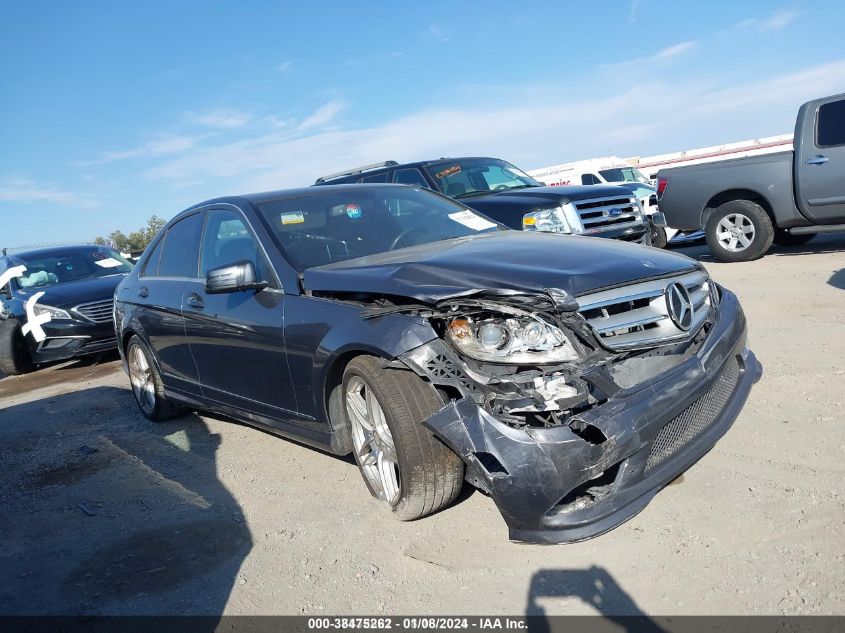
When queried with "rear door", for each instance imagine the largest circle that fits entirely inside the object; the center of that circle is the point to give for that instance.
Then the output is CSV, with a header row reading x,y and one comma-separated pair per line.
x,y
237,338
820,160
158,297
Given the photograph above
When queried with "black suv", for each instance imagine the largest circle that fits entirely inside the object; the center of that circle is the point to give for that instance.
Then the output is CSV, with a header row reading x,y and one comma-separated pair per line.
x,y
56,304
510,196
435,345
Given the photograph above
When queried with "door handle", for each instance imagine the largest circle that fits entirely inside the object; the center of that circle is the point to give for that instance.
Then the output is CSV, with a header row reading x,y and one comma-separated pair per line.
x,y
818,159
143,292
195,301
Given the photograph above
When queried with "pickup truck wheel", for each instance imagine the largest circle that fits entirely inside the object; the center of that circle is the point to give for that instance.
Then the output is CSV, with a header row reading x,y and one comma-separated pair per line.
x,y
147,386
14,354
784,238
402,463
658,237
739,231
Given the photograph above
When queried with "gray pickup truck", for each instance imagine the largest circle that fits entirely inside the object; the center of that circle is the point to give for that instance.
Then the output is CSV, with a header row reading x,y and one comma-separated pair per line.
x,y
745,204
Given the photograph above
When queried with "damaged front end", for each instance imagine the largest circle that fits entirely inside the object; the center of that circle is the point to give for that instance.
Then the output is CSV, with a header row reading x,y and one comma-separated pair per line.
x,y
572,415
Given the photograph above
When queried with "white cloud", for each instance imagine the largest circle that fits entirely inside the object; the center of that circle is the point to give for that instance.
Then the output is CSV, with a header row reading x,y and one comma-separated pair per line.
x,y
663,55
161,145
648,118
437,33
322,116
777,21
220,118
25,190
285,66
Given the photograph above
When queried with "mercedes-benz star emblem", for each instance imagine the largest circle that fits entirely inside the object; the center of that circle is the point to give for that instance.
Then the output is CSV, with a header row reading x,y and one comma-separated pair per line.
x,y
679,305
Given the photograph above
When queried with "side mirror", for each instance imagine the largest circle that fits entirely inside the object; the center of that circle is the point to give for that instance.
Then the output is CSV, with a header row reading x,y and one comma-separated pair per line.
x,y
232,278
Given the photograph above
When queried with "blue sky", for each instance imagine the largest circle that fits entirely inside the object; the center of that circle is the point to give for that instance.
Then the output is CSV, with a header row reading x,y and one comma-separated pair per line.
x,y
113,111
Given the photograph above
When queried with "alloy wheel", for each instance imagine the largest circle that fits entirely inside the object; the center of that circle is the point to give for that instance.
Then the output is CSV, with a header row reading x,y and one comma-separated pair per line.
x,y
735,232
141,378
372,440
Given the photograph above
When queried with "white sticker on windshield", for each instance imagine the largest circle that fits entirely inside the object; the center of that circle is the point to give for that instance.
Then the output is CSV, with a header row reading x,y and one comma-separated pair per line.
x,y
471,220
108,262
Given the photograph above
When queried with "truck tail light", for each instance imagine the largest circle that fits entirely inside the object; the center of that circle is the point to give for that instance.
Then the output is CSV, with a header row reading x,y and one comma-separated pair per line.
x,y
661,186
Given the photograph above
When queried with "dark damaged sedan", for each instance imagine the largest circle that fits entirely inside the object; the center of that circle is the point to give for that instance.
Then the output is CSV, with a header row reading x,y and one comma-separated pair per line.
x,y
570,378
56,304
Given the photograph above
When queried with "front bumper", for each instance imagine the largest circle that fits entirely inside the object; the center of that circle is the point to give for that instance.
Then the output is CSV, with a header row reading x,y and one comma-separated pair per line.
x,y
552,485
67,339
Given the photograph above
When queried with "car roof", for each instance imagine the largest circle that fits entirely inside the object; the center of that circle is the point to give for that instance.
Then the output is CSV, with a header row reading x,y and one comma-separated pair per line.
x,y
53,250
284,194
418,163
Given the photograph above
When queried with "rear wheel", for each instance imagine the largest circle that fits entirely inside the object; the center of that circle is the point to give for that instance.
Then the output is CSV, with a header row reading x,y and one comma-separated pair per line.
x,y
147,386
784,238
14,353
402,463
658,236
739,231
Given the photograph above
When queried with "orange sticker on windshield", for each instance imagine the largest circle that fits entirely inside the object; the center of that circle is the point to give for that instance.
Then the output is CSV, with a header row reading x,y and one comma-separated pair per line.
x,y
454,169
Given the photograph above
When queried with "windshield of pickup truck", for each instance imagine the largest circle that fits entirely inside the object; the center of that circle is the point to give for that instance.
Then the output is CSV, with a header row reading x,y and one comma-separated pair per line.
x,y
469,177
623,174
333,226
58,266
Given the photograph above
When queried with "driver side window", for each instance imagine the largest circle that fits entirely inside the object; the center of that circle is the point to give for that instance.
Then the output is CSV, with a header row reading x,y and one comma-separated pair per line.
x,y
227,240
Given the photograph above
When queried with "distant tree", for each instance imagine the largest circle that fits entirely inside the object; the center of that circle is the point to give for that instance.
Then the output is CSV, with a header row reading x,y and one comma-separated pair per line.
x,y
136,240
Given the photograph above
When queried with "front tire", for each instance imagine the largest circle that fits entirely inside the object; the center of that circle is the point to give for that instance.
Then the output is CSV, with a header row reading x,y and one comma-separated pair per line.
x,y
147,386
739,231
14,353
658,236
402,463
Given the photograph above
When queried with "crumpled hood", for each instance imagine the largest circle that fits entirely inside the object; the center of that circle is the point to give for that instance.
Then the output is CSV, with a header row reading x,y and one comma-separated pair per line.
x,y
502,261
68,295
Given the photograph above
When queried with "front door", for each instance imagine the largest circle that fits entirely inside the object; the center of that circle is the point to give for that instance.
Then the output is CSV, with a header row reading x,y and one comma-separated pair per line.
x,y
820,161
237,338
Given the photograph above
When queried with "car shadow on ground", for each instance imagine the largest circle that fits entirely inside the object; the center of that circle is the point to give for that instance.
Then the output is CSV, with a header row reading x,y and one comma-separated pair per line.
x,y
837,279
593,586
60,372
107,513
820,244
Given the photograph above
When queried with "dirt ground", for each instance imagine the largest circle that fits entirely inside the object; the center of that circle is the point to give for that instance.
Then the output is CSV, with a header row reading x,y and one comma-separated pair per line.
x,y
102,512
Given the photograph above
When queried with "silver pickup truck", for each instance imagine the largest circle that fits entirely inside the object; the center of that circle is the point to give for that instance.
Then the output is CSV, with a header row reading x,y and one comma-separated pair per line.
x,y
745,204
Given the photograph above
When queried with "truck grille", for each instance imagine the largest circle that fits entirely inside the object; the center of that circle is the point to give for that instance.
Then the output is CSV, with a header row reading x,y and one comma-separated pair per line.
x,y
604,214
98,312
696,418
639,315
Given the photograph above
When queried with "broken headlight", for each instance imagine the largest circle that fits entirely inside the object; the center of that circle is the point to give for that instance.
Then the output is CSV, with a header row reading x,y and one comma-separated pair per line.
x,y
516,340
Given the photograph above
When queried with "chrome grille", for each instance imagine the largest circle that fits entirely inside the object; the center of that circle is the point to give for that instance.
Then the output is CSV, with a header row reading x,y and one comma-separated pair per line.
x,y
637,316
696,418
604,214
98,312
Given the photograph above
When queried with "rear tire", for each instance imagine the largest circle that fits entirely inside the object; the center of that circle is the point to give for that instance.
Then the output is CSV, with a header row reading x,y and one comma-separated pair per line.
x,y
146,383
739,231
783,238
658,236
428,474
14,353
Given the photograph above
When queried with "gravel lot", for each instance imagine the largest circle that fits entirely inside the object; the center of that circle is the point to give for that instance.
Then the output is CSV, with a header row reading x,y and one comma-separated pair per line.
x,y
102,512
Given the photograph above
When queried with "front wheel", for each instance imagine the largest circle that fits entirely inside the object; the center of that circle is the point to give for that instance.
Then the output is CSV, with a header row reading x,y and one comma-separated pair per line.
x,y
658,236
14,354
402,463
739,231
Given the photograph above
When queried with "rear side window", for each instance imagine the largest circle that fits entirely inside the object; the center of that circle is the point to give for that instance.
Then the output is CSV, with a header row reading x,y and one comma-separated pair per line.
x,y
830,129
409,177
590,179
179,254
382,177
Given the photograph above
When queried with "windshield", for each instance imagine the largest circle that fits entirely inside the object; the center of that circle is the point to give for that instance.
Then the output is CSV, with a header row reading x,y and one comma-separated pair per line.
x,y
623,174
475,176
336,225
72,264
